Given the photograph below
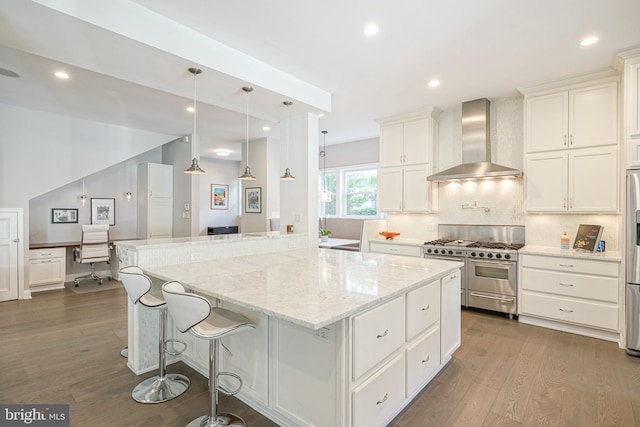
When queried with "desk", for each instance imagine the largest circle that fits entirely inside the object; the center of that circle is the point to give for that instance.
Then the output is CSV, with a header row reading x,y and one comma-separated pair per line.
x,y
68,244
332,243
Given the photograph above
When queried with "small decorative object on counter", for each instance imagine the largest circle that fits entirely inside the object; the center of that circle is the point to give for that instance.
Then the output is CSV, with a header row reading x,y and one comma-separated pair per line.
x,y
389,235
602,245
565,241
324,235
290,228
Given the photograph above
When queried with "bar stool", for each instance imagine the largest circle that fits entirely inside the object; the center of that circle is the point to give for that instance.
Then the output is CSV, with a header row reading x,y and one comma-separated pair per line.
x,y
193,313
162,387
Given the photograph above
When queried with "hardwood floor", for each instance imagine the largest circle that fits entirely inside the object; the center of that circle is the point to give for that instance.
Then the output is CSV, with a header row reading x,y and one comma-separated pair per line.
x,y
61,347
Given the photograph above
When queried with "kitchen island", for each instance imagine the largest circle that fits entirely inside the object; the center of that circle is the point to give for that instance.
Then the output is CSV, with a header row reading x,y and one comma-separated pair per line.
x,y
342,338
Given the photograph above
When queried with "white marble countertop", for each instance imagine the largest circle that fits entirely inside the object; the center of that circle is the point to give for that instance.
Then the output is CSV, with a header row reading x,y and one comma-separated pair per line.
x,y
572,253
399,241
310,287
218,238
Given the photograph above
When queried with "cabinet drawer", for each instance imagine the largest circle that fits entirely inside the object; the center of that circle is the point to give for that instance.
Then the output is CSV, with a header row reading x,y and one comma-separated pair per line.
x,y
376,334
423,358
593,314
423,308
46,271
385,248
576,265
376,399
573,285
47,253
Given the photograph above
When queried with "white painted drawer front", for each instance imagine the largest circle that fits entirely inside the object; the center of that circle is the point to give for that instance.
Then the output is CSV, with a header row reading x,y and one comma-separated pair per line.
x,y
423,358
376,334
594,314
376,399
46,271
584,266
423,308
574,285
385,248
47,253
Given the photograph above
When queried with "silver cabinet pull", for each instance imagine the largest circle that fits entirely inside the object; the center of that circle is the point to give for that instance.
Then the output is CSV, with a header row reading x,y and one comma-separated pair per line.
x,y
566,265
384,334
567,285
384,399
49,254
565,140
453,276
566,311
571,139
425,308
45,261
426,360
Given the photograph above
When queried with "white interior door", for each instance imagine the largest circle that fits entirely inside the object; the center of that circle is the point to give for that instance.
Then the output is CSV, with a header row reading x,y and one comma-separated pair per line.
x,y
8,256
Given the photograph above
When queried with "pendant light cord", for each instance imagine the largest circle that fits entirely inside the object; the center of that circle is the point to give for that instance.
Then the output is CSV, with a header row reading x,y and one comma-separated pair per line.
x,y
248,127
287,154
195,113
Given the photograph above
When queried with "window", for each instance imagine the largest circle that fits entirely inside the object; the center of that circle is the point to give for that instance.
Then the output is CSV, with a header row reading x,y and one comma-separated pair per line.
x,y
353,190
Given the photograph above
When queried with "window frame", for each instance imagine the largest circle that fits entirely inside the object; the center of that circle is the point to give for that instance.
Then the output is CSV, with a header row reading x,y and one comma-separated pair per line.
x,y
341,195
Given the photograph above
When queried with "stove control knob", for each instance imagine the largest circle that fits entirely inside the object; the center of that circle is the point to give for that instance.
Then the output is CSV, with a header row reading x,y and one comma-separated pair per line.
x,y
429,251
450,252
435,251
498,256
507,256
473,254
481,254
489,255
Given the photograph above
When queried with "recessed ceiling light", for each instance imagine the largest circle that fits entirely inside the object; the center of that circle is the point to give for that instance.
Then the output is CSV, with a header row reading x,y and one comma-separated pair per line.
x,y
266,128
434,83
589,41
191,109
371,30
223,153
61,75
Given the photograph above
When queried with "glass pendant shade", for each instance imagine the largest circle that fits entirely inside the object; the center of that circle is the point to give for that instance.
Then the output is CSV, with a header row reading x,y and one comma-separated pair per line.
x,y
194,169
247,175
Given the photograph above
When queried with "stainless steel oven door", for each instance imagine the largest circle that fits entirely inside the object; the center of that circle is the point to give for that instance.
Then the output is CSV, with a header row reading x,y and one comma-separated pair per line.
x,y
463,280
492,285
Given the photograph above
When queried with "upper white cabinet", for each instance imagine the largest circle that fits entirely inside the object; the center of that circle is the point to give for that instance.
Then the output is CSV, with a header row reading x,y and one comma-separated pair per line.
x,y
406,159
571,159
577,118
631,96
155,204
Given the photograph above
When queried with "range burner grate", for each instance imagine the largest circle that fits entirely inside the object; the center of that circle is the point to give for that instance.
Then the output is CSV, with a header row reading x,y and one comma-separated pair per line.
x,y
438,242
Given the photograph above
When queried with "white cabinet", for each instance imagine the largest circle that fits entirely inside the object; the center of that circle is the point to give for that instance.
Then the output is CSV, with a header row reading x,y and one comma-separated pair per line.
x,y
383,247
406,160
450,321
571,160
572,291
423,358
423,309
584,180
578,118
631,96
155,201
47,269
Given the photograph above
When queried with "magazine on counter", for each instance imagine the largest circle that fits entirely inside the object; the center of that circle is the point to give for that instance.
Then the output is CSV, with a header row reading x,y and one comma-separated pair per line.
x,y
588,237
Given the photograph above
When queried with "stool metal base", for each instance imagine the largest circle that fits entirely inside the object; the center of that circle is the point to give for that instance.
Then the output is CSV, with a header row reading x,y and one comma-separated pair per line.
x,y
158,390
224,419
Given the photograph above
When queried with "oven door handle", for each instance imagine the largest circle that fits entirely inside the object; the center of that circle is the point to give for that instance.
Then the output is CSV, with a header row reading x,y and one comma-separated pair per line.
x,y
493,263
507,299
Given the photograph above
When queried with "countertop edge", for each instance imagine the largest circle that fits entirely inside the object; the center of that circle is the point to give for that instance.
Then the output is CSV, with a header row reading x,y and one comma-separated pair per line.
x,y
570,253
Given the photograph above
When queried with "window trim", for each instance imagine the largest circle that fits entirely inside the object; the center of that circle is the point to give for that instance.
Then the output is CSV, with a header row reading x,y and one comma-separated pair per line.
x,y
340,194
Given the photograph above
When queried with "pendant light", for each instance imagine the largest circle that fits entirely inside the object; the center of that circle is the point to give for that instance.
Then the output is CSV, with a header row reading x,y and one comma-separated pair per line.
x,y
83,197
325,196
247,175
194,169
287,173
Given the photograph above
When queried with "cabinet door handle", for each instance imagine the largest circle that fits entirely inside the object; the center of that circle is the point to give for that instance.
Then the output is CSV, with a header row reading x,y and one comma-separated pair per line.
x,y
44,261
571,139
384,334
566,265
567,285
427,359
49,254
566,311
384,399
426,308
565,140
570,202
453,276
564,202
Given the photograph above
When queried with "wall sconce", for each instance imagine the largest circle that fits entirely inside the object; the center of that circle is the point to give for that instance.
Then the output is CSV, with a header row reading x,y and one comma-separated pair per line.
x,y
83,197
128,195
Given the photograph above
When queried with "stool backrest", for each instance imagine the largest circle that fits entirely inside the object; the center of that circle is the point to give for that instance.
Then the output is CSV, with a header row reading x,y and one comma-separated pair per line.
x,y
187,310
135,282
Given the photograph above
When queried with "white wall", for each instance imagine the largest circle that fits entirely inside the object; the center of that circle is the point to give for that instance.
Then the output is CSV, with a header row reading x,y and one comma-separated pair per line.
x,y
218,172
352,153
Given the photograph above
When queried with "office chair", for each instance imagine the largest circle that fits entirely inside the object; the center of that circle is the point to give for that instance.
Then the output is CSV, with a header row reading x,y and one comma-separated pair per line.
x,y
94,247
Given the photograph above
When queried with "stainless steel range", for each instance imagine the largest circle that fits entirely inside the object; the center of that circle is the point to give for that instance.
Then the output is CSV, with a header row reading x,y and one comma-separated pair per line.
x,y
490,255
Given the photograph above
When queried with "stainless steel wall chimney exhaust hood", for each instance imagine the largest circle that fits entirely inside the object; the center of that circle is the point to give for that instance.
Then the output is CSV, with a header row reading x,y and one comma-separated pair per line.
x,y
476,147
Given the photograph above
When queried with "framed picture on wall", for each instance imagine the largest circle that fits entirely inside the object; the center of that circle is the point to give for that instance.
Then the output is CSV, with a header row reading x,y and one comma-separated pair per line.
x,y
64,216
103,211
219,196
253,200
